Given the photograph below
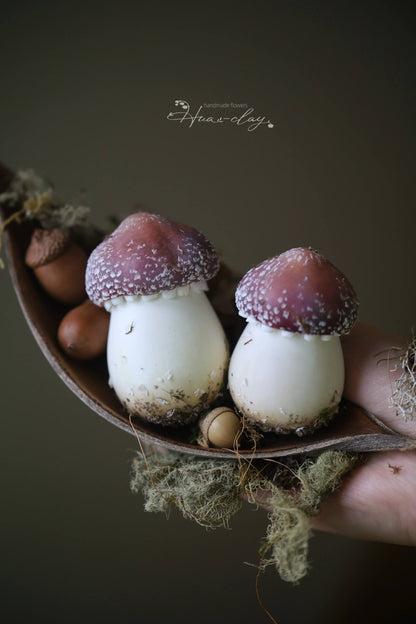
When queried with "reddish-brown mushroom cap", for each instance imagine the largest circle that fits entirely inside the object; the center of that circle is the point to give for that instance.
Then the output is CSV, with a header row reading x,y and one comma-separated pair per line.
x,y
298,291
148,254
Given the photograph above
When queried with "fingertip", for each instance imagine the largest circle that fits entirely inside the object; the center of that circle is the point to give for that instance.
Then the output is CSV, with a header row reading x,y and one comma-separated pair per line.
x,y
372,366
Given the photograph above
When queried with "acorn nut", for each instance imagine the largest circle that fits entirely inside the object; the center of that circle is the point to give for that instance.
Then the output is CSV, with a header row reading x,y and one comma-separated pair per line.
x,y
219,427
82,333
59,264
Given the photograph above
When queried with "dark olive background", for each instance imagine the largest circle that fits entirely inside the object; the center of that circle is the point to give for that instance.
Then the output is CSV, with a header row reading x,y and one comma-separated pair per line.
x,y
85,90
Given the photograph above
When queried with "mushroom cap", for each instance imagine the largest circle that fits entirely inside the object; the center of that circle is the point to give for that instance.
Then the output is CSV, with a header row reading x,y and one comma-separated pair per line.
x,y
298,291
148,254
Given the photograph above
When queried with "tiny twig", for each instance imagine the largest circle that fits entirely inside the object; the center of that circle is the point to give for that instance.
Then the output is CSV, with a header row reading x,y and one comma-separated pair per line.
x,y
259,571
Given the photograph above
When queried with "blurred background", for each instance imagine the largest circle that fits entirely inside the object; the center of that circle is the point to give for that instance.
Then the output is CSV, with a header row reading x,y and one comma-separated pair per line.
x,y
85,92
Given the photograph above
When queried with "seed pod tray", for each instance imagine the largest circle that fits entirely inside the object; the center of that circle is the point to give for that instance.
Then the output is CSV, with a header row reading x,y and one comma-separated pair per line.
x,y
352,429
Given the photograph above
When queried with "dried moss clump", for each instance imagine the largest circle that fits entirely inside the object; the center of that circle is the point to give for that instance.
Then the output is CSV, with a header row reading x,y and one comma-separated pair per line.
x,y
288,532
211,492
34,198
404,395
204,490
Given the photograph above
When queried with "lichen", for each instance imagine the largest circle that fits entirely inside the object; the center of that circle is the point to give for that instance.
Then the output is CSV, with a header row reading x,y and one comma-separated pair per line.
x,y
211,491
33,198
206,491
288,532
403,398
24,184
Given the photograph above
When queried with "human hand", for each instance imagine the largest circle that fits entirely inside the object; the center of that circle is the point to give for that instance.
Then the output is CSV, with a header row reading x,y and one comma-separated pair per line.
x,y
377,501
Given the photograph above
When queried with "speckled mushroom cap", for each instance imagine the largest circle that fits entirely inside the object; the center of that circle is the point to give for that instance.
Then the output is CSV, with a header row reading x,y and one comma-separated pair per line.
x,y
148,254
298,291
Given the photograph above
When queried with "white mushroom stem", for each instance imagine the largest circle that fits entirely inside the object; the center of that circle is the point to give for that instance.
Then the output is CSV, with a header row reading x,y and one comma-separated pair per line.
x,y
286,380
166,352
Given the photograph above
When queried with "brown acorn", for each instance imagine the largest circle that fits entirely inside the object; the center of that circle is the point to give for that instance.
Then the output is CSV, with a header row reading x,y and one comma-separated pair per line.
x,y
59,264
220,428
82,333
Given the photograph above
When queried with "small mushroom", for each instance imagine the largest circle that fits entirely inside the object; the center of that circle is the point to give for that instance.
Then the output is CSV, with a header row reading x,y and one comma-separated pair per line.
x,y
220,428
59,264
287,370
166,351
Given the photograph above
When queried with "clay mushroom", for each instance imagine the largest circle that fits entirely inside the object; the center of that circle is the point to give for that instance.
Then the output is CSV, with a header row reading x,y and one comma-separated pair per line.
x,y
166,351
287,370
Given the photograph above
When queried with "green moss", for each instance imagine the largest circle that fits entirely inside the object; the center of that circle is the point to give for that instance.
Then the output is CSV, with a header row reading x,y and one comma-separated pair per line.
x,y
288,533
204,490
211,491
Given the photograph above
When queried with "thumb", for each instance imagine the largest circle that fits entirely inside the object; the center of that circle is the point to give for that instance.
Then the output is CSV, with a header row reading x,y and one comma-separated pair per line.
x,y
372,368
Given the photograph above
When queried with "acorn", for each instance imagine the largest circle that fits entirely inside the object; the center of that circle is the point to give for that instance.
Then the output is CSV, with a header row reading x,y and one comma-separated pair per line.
x,y
220,428
82,333
59,264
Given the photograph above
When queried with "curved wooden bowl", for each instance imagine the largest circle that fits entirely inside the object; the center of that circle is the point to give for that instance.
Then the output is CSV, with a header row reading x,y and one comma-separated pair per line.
x,y
352,429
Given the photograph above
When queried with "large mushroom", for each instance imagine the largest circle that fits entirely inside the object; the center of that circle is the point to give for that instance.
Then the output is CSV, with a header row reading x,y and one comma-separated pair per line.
x,y
287,370
167,353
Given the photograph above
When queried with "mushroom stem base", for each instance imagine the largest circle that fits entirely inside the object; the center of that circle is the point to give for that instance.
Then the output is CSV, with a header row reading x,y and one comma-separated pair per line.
x,y
166,357
284,381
